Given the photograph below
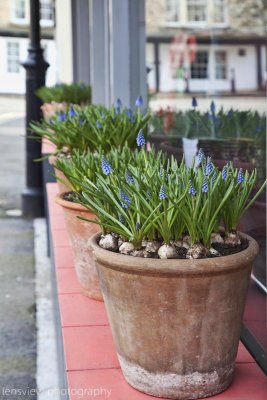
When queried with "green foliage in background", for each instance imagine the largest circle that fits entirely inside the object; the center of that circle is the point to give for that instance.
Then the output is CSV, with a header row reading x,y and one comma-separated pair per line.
x,y
233,124
74,93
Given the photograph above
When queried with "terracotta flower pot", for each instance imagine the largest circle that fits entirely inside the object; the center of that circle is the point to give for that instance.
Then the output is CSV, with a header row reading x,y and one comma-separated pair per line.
x,y
50,109
60,176
175,323
79,232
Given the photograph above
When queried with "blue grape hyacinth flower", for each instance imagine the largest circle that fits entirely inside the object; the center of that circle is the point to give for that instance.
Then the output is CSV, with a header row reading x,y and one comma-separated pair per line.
x,y
129,113
224,173
61,117
240,176
72,113
162,193
121,219
128,177
212,107
205,186
192,191
194,102
208,167
118,103
200,156
125,199
99,125
140,139
139,102
106,167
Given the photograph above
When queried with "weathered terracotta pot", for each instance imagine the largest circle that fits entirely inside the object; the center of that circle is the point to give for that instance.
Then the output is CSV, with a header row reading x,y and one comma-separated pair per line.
x,y
175,323
50,109
62,188
79,232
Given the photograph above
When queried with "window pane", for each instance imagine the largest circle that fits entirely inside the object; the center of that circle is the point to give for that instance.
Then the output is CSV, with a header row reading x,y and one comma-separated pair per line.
x,y
13,64
197,10
46,10
19,9
220,65
199,69
219,11
172,10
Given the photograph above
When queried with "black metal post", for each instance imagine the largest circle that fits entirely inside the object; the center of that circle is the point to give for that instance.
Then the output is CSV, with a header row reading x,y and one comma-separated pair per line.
x,y
233,88
157,62
259,69
35,66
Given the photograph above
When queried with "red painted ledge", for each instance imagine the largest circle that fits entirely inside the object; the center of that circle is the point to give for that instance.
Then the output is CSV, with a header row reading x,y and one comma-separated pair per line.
x,y
92,366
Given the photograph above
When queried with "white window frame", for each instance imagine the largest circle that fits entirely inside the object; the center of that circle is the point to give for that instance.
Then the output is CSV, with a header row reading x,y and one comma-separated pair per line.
x,y
12,42
176,4
14,18
209,23
47,22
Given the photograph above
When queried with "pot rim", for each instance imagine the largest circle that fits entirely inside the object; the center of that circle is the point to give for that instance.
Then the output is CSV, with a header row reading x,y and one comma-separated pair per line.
x,y
174,267
70,204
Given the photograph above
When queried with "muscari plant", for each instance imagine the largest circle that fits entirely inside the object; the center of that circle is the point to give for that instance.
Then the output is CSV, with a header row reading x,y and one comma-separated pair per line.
x,y
215,124
163,202
74,93
88,127
80,166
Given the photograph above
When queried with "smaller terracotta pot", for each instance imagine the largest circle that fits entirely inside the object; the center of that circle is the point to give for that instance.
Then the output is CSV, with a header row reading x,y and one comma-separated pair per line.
x,y
50,109
62,188
79,232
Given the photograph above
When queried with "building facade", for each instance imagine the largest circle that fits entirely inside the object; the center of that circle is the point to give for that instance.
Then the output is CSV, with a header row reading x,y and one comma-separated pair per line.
x,y
206,45
14,32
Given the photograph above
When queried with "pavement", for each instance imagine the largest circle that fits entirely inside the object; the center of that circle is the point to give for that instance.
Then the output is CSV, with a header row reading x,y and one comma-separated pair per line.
x,y
17,283
28,363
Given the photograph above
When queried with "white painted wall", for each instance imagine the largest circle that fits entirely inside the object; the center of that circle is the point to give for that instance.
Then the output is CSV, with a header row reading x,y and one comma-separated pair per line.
x,y
14,83
245,68
63,31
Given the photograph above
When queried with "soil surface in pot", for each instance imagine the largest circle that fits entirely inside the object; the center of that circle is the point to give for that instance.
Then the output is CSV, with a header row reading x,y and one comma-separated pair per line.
x,y
181,249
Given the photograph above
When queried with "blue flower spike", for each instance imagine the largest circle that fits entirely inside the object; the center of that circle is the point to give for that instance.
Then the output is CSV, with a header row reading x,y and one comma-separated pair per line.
x,y
72,112
200,156
192,191
129,179
205,186
240,176
129,113
140,139
125,199
162,193
118,103
139,102
99,125
138,226
121,219
106,167
82,121
209,167
194,102
212,107
224,173
61,117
